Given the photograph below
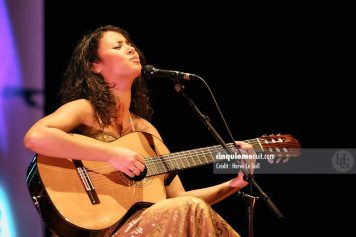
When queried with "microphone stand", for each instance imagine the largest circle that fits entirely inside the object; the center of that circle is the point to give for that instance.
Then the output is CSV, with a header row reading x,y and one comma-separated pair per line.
x,y
250,202
249,199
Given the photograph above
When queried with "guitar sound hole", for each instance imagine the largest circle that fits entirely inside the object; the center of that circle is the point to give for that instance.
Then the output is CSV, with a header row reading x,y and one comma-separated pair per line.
x,y
141,176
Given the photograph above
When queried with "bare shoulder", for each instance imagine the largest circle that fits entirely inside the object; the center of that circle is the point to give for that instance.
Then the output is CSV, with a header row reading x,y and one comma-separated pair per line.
x,y
80,108
70,115
145,126
81,105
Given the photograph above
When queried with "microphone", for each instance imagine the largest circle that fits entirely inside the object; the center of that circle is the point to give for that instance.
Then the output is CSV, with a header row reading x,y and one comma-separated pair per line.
x,y
150,72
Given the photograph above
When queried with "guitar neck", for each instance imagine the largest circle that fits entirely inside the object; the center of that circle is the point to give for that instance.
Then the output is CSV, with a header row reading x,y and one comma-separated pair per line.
x,y
191,158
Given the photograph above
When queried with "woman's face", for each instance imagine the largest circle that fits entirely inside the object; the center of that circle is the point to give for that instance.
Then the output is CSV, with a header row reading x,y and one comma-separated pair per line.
x,y
117,58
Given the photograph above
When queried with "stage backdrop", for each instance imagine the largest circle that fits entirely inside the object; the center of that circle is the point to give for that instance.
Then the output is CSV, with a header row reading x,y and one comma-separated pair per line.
x,y
21,104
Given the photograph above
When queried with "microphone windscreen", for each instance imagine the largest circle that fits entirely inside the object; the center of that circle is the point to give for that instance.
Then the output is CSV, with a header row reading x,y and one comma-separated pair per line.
x,y
148,71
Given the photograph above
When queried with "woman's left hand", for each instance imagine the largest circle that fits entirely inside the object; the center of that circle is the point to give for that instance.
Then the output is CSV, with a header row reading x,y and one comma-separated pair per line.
x,y
248,162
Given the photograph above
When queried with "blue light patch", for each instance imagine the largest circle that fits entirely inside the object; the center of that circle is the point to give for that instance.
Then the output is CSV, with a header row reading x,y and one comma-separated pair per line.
x,y
7,228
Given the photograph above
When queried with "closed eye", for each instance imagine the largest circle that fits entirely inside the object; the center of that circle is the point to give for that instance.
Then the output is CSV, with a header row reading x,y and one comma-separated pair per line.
x,y
120,43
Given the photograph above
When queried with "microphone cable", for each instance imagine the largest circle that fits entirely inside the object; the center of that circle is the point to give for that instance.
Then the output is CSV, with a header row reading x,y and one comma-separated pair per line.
x,y
247,173
219,110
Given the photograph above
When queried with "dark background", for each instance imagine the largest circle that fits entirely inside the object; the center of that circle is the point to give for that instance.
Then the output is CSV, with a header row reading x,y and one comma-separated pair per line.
x,y
277,68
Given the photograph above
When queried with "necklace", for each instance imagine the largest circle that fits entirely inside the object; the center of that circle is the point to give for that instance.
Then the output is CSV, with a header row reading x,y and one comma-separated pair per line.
x,y
132,124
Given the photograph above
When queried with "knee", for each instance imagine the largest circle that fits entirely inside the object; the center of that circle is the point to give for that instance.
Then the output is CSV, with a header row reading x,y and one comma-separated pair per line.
x,y
181,204
193,202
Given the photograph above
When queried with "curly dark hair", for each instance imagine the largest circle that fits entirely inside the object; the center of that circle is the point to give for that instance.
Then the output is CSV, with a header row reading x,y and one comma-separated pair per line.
x,y
80,82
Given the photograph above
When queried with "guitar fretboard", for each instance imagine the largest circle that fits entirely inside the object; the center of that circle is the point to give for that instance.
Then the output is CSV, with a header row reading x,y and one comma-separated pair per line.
x,y
189,159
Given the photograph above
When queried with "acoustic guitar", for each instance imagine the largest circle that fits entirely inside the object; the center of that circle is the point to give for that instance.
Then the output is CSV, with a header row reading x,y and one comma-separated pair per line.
x,y
86,198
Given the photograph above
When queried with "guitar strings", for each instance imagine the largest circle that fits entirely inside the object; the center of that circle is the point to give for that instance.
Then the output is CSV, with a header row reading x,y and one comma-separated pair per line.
x,y
177,156
159,164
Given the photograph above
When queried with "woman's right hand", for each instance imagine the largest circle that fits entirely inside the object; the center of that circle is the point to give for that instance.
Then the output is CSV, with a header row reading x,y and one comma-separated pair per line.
x,y
127,161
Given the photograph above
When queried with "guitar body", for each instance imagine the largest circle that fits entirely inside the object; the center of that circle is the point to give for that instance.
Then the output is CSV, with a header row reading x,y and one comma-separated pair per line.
x,y
61,198
86,198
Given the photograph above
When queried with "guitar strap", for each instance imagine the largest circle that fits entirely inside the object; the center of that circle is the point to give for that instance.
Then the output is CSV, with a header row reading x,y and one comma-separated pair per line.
x,y
169,177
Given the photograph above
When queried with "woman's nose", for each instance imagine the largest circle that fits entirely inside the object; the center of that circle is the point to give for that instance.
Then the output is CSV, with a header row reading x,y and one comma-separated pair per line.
x,y
130,49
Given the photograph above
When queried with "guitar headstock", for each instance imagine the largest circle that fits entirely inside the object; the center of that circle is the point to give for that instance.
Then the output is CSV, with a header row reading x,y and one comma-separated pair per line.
x,y
281,145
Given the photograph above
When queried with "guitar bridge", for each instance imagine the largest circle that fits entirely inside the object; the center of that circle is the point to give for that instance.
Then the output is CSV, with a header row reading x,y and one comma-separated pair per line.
x,y
86,181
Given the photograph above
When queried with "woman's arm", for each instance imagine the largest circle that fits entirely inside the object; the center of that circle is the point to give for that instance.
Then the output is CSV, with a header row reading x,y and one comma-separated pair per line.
x,y
50,137
212,194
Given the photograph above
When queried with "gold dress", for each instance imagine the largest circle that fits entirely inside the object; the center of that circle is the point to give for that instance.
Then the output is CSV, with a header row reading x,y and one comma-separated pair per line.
x,y
176,217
